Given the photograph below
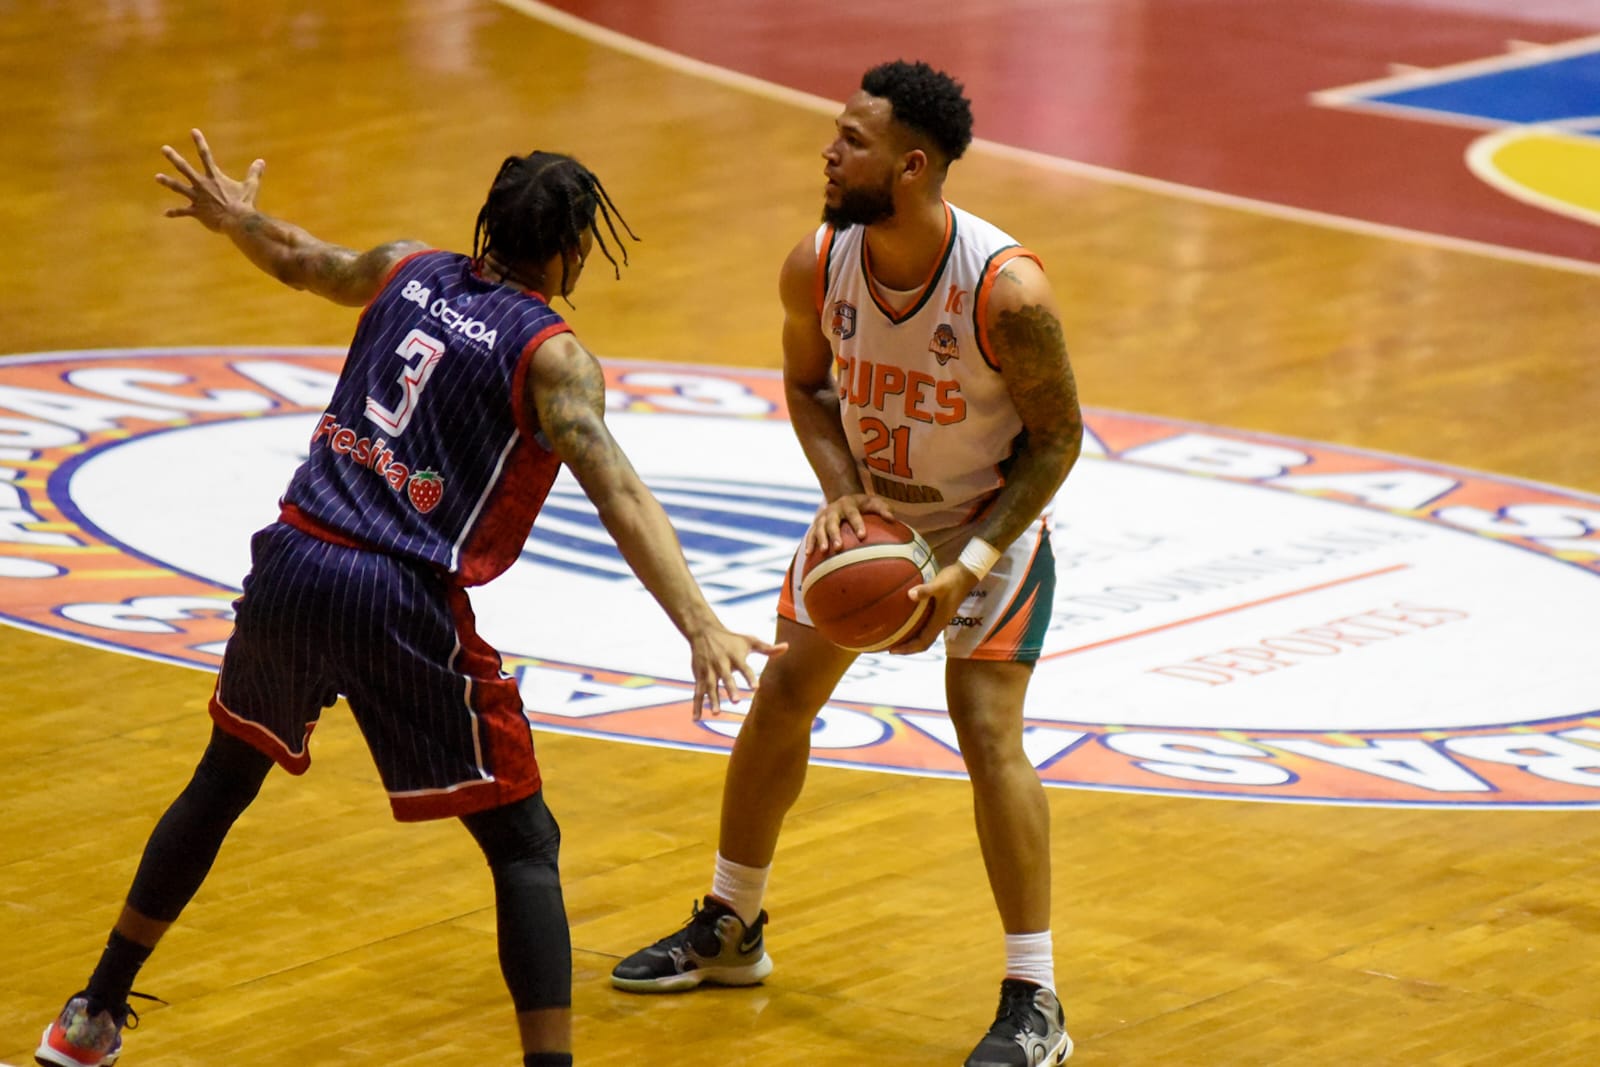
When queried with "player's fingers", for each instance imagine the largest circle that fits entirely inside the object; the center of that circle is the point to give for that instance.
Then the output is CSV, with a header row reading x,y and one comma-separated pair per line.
x,y
767,648
879,505
175,185
815,536
828,530
182,164
205,152
730,688
852,514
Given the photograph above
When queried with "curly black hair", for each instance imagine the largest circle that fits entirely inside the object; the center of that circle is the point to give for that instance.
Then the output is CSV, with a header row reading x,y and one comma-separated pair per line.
x,y
928,101
538,206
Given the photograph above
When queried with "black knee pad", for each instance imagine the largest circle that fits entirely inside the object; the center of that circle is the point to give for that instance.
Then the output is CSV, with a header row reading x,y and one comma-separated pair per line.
x,y
521,841
520,833
229,774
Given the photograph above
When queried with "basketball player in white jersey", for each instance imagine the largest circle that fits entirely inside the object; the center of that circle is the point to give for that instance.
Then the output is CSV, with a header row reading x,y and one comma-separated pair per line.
x,y
927,378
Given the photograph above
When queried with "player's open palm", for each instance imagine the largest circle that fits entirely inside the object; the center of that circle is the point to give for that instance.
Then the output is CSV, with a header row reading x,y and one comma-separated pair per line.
x,y
213,196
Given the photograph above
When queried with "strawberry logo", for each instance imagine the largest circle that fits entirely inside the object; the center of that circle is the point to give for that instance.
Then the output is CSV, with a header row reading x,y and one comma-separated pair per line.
x,y
425,489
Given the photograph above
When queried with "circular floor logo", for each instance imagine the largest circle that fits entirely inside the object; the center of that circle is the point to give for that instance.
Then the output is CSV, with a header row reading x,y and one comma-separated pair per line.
x,y
1236,615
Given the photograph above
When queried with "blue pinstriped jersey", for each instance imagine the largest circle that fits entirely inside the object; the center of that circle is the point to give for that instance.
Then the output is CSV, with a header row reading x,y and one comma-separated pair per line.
x,y
426,450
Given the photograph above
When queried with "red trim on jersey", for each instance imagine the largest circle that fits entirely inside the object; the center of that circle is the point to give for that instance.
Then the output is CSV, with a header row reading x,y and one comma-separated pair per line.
x,y
505,741
508,515
526,414
387,278
259,737
290,515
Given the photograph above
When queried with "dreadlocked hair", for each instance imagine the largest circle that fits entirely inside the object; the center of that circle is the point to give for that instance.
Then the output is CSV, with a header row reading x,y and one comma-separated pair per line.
x,y
539,206
925,100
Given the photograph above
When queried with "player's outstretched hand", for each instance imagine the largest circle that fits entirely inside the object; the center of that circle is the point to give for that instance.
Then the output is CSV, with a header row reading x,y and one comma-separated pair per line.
x,y
213,196
719,658
832,516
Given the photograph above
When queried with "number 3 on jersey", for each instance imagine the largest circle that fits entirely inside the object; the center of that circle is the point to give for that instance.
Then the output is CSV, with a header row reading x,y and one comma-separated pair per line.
x,y
877,437
422,354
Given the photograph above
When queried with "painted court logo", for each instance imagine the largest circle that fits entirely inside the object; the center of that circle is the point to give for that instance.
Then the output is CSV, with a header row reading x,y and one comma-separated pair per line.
x,y
1235,615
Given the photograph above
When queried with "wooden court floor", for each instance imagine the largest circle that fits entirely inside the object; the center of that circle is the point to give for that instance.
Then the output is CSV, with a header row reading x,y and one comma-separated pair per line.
x,y
1188,932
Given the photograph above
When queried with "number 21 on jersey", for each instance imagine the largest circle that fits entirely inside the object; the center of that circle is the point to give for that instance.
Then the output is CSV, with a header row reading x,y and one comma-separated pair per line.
x,y
878,438
422,354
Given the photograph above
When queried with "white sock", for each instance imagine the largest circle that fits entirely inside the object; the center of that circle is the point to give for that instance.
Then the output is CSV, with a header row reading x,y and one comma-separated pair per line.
x,y
1032,958
741,888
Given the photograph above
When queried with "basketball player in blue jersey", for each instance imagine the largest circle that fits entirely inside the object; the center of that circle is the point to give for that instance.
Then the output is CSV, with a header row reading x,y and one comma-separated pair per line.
x,y
462,395
927,378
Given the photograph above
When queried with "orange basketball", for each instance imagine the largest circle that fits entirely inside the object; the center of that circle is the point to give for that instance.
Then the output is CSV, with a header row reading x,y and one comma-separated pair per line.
x,y
856,597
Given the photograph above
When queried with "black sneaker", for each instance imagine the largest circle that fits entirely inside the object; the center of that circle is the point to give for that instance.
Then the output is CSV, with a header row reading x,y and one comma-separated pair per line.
x,y
714,946
1029,1030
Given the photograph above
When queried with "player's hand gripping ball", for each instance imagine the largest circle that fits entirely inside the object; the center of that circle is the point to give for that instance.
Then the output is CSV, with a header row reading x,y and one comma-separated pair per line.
x,y
856,597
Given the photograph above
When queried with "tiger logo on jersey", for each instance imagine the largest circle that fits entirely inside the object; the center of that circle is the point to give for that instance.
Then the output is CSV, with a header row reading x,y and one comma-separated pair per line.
x,y
844,320
944,345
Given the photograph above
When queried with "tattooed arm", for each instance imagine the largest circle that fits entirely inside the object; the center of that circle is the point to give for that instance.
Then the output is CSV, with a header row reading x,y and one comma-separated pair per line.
x,y
566,391
1025,336
226,205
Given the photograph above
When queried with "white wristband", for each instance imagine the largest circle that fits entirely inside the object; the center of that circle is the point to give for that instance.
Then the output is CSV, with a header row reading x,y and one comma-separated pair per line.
x,y
979,556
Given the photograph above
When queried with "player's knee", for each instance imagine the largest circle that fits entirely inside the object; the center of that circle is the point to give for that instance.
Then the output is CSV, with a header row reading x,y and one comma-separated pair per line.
x,y
229,774
790,692
989,746
521,834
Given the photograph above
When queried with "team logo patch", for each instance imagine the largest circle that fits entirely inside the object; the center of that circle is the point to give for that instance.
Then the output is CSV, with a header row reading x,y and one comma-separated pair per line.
x,y
943,345
844,320
1235,615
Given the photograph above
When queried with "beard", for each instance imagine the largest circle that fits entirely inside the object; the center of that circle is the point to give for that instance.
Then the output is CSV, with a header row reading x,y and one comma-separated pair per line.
x,y
861,206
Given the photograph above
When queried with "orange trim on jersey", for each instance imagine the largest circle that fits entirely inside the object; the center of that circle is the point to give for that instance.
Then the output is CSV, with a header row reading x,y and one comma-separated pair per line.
x,y
828,234
926,288
786,595
980,305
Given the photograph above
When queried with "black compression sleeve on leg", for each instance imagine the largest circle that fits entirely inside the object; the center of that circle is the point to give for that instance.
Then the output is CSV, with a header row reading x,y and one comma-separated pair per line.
x,y
185,842
521,841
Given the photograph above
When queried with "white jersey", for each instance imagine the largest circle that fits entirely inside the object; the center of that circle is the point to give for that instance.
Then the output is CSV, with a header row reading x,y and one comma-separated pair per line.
x,y
924,408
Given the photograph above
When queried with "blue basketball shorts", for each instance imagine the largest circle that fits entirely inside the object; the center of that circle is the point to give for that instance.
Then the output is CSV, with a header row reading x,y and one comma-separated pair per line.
x,y
317,620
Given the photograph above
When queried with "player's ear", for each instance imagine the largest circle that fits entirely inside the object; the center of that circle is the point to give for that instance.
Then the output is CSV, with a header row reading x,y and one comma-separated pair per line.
x,y
914,164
